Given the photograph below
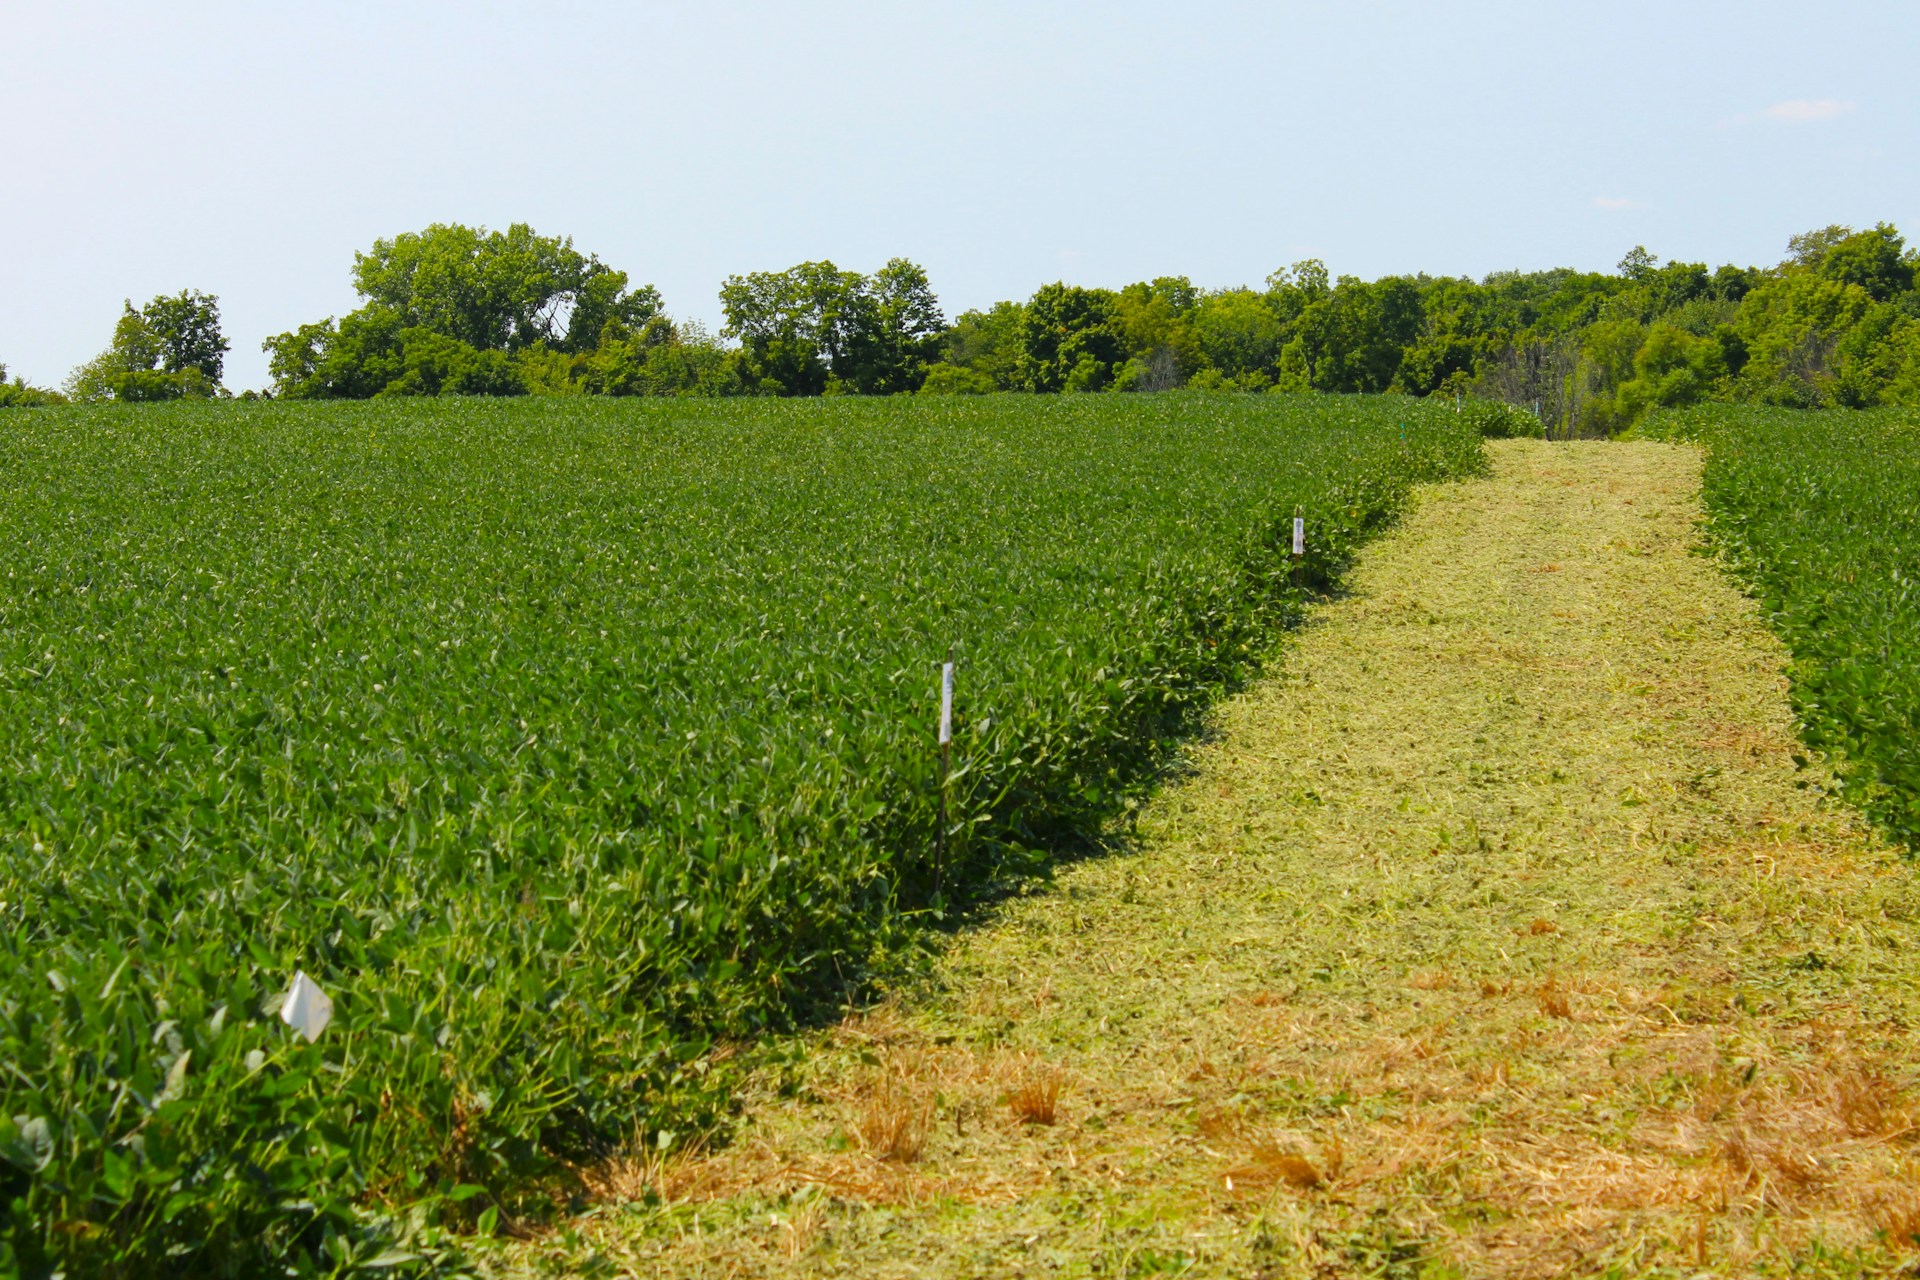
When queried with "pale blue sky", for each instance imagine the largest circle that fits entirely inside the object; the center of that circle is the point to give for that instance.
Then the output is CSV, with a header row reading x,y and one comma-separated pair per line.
x,y
248,149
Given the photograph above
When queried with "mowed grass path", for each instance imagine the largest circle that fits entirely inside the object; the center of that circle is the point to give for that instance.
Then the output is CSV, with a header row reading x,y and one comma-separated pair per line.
x,y
1497,934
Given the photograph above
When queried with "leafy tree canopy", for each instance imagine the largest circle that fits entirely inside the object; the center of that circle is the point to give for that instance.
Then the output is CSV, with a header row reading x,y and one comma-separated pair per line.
x,y
815,328
458,310
499,290
18,395
170,349
455,309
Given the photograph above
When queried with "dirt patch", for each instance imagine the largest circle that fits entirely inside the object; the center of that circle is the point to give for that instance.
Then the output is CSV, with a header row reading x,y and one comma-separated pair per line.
x,y
1497,935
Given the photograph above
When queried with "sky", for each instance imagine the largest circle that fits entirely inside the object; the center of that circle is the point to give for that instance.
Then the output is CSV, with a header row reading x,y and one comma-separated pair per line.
x,y
249,149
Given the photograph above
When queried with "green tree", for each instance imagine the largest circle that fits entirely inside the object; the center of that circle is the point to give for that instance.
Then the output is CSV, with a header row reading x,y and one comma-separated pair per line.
x,y
1070,340
433,364
1809,247
352,360
1638,264
499,290
1353,338
663,358
989,343
18,395
1877,261
794,325
815,328
1236,332
187,327
945,379
170,349
1153,319
898,330
1792,327
1672,367
441,302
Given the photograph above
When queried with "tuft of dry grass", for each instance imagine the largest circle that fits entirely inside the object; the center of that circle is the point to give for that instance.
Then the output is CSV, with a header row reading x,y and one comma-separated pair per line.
x,y
1896,1215
642,1171
1036,1098
1269,1162
894,1123
1869,1105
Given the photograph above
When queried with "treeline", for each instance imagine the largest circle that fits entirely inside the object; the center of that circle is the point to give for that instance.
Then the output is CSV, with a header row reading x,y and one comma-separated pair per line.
x,y
462,310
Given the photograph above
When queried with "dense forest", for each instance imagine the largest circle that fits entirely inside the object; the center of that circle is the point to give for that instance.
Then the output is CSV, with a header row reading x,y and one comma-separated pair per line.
x,y
463,310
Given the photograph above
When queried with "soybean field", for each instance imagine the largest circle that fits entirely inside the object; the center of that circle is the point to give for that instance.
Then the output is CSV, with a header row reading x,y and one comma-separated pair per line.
x,y
1819,515
562,744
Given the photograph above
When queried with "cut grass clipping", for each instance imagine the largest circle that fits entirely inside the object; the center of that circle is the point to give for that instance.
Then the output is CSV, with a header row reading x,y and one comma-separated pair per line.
x,y
559,743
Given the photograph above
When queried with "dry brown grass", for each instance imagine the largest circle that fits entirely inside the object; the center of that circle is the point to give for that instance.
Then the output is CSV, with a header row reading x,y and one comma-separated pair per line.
x,y
893,1124
1036,1099
1897,1215
642,1171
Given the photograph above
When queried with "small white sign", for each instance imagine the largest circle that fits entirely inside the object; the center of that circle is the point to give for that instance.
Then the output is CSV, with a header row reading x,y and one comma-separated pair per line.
x,y
1299,535
307,1009
946,703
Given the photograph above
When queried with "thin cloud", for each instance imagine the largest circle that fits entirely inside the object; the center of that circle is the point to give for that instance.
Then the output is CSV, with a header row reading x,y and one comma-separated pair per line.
x,y
1804,110
1798,111
1617,202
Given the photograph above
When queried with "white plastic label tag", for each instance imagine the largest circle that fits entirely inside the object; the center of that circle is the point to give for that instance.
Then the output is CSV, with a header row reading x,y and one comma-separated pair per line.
x,y
1299,535
307,1009
946,703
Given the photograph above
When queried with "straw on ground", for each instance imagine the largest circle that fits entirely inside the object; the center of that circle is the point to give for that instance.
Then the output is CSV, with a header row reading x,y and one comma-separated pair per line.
x,y
1497,934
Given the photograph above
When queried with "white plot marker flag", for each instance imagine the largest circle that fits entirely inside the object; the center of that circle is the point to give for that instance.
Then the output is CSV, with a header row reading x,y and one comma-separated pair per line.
x,y
946,703
307,1008
1299,535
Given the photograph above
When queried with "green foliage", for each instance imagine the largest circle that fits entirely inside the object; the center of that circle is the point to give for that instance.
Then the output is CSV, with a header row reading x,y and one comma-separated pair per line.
x,y
815,329
1820,514
18,395
557,740
1876,261
499,290
1495,420
944,379
432,364
456,310
1791,326
990,343
1070,339
170,349
664,358
1352,339
1836,323
187,329
1237,332
901,331
1671,367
